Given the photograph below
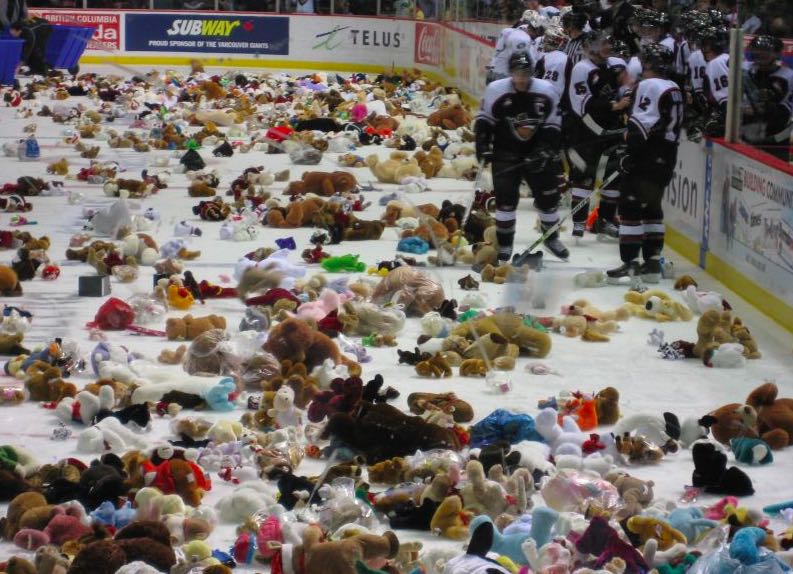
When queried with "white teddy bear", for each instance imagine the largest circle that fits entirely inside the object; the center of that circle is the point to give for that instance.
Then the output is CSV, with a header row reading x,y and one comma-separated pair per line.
x,y
84,407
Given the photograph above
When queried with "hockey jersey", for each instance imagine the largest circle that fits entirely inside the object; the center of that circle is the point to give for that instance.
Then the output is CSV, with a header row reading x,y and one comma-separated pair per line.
x,y
592,90
556,68
696,71
521,121
514,41
717,73
654,126
575,49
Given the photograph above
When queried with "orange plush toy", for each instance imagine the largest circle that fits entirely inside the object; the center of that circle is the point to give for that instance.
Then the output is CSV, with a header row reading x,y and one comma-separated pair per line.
x,y
450,117
322,183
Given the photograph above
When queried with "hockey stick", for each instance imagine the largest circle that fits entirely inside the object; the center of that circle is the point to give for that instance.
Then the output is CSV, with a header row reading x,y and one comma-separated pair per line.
x,y
534,260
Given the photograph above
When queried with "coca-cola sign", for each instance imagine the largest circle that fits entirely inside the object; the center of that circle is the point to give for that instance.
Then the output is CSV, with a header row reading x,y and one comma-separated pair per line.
x,y
428,44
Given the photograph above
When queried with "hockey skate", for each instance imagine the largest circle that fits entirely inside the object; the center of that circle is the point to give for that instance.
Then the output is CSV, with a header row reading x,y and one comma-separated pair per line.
x,y
630,269
651,271
606,231
555,247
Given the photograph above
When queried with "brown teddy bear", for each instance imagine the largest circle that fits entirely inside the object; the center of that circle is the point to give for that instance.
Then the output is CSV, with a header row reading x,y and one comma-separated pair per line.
x,y
436,367
391,471
339,557
396,168
450,117
298,213
658,305
430,162
731,421
11,344
9,282
322,183
295,376
296,340
636,494
60,167
44,383
743,336
430,230
189,327
503,274
713,328
607,405
147,541
360,230
26,510
774,416
201,188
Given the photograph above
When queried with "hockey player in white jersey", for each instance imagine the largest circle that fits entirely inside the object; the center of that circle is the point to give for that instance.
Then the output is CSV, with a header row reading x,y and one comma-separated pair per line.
x,y
518,129
596,108
651,154
768,98
512,41
713,43
553,64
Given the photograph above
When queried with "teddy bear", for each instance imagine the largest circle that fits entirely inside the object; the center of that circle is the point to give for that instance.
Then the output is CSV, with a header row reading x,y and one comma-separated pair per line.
x,y
9,282
396,168
482,495
133,188
344,556
435,367
44,383
607,406
188,327
295,340
297,214
450,520
11,344
713,328
147,541
744,337
367,432
774,415
60,167
410,287
636,494
450,117
322,183
84,406
429,229
26,510
658,305
530,341
430,161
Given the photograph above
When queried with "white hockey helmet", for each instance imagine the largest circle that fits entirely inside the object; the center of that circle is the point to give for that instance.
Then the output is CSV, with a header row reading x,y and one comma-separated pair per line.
x,y
554,39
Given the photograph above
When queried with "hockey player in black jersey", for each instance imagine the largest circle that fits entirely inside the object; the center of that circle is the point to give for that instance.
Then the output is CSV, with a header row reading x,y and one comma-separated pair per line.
x,y
652,140
518,129
768,98
596,107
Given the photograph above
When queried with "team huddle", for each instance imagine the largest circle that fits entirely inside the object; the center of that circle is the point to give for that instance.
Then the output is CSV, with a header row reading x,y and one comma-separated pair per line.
x,y
607,94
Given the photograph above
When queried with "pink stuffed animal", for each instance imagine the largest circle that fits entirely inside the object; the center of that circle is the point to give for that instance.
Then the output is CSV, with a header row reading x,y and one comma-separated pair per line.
x,y
327,302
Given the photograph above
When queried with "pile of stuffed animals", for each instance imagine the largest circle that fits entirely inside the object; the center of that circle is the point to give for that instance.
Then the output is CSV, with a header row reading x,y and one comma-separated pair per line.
x,y
251,409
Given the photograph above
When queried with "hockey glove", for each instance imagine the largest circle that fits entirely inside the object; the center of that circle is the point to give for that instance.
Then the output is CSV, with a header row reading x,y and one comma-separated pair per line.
x,y
483,132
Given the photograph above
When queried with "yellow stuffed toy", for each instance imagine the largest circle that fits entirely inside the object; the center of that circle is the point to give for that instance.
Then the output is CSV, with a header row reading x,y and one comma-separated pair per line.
x,y
656,304
646,527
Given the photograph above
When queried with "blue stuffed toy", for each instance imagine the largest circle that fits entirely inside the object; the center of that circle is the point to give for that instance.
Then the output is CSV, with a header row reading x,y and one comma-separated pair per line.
x,y
691,522
218,397
413,245
751,451
107,513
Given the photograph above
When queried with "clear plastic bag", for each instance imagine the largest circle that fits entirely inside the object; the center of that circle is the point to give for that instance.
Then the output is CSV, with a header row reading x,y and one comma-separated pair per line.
x,y
573,491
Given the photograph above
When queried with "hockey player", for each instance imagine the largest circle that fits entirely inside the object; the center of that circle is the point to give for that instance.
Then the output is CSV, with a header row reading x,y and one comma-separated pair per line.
x,y
553,64
573,24
517,128
713,43
652,140
595,107
512,41
768,98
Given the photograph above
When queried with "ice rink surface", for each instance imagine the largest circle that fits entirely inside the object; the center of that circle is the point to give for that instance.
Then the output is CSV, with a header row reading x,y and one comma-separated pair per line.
x,y
647,383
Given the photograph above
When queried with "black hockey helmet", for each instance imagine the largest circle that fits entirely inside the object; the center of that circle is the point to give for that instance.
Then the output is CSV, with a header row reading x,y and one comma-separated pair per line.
x,y
766,44
655,18
717,38
717,18
573,19
521,61
619,48
585,6
658,58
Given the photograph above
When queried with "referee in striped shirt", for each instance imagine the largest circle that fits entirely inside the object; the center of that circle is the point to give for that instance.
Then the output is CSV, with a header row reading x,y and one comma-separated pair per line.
x,y
574,23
